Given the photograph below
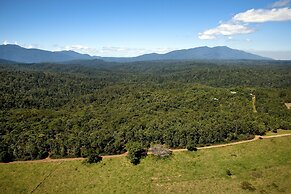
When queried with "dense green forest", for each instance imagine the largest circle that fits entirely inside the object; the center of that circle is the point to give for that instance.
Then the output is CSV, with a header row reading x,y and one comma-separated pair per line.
x,y
68,110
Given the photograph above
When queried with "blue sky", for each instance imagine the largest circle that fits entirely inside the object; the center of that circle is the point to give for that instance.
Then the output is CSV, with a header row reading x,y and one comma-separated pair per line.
x,y
133,27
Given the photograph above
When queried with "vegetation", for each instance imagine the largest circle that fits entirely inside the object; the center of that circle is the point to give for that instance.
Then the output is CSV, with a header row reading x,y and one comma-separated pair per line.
x,y
228,172
191,146
267,170
135,152
247,186
93,157
66,110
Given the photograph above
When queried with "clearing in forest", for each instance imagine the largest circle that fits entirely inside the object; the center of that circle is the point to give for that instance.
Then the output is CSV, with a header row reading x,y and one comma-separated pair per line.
x,y
254,103
288,105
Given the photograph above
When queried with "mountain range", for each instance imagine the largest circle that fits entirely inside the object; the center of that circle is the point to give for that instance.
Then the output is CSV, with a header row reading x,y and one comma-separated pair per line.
x,y
23,55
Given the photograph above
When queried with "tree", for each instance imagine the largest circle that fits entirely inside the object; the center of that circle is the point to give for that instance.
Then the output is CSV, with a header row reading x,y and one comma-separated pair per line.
x,y
94,157
5,155
135,152
191,146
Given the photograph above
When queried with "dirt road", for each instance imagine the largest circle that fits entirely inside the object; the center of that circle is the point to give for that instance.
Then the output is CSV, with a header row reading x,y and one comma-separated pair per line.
x,y
62,159
234,143
174,150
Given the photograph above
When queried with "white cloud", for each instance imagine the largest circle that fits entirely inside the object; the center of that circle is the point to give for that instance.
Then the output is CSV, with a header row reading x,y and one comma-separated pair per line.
x,y
110,51
29,46
81,49
226,29
78,48
106,51
129,52
5,42
263,15
238,23
281,3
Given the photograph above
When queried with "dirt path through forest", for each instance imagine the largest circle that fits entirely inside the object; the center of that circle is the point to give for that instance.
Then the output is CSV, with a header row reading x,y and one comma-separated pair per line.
x,y
174,150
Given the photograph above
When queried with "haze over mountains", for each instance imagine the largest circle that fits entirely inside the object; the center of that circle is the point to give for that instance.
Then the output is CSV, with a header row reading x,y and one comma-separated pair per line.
x,y
19,54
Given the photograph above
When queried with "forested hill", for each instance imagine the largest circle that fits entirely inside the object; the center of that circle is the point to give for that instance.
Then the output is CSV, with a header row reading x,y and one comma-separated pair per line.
x,y
68,110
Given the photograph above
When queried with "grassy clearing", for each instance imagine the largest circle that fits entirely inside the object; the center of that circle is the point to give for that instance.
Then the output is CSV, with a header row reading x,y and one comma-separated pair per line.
x,y
263,165
254,104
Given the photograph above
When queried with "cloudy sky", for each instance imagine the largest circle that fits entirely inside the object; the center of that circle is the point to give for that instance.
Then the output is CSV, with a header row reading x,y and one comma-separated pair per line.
x,y
134,27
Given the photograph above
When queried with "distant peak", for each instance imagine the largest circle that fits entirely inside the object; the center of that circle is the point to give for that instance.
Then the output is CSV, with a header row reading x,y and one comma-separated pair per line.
x,y
202,47
66,51
11,45
222,47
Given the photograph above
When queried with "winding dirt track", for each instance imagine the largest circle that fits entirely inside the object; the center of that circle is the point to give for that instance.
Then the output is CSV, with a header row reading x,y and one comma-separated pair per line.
x,y
174,150
234,143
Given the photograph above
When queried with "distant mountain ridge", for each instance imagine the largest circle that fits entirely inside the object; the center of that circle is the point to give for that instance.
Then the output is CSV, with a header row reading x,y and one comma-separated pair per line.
x,y
4,61
24,55
198,53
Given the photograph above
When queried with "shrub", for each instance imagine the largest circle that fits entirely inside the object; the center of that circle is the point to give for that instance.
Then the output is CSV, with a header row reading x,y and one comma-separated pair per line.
x,y
6,154
94,157
191,146
247,186
5,157
135,152
228,172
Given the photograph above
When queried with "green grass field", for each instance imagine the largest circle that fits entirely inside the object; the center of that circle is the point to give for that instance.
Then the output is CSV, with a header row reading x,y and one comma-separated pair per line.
x,y
264,164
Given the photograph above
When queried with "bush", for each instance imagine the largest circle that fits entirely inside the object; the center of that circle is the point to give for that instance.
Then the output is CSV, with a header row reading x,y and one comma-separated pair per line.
x,y
43,154
135,152
191,146
228,172
93,158
161,151
5,154
5,157
247,186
